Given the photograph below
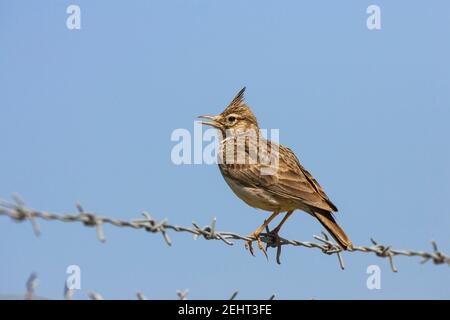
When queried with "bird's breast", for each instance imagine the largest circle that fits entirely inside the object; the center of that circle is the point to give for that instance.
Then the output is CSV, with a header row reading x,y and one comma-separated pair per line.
x,y
256,197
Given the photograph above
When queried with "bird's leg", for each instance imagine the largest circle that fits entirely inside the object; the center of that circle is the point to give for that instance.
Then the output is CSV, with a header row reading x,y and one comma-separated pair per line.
x,y
275,231
248,243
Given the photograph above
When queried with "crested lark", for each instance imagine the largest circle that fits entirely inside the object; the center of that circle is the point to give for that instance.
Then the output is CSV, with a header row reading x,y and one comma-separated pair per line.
x,y
289,187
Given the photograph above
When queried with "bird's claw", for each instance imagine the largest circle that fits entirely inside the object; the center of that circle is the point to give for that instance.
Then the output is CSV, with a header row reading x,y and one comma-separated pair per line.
x,y
248,245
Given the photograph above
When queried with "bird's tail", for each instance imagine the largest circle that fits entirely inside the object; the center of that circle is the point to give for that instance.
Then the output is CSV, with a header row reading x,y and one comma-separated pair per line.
x,y
330,224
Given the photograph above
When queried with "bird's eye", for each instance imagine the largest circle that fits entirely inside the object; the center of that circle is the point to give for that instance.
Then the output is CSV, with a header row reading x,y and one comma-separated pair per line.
x,y
231,119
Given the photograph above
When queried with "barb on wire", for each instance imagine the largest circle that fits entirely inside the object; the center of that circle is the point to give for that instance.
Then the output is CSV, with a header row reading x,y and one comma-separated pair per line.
x,y
18,211
68,293
233,296
141,296
95,295
182,295
31,285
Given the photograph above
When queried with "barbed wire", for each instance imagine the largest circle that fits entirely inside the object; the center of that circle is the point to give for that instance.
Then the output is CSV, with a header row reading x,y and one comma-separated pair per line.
x,y
18,211
32,284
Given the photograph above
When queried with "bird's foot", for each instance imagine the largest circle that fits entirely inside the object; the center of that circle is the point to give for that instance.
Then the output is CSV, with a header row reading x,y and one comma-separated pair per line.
x,y
248,244
275,239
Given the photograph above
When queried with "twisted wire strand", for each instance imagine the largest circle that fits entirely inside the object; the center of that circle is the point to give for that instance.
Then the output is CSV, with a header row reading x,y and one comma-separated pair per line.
x,y
18,211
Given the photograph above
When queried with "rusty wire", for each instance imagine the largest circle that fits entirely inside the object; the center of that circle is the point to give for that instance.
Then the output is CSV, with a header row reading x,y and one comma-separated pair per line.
x,y
18,211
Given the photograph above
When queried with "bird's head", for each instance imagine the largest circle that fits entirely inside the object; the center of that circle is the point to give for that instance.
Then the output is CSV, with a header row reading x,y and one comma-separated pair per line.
x,y
237,116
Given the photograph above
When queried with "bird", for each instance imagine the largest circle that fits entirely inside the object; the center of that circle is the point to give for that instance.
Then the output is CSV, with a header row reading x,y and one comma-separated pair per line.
x,y
288,188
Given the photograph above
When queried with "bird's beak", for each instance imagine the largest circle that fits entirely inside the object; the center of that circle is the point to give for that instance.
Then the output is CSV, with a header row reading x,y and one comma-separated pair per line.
x,y
215,121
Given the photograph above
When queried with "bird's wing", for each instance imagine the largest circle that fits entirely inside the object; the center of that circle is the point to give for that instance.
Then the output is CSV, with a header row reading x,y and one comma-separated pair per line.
x,y
290,181
296,181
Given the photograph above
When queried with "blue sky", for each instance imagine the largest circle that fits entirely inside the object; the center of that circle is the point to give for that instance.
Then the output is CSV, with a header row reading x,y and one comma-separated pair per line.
x,y
87,115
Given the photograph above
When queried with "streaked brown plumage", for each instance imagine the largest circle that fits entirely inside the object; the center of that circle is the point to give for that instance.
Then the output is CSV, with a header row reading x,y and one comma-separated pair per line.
x,y
291,186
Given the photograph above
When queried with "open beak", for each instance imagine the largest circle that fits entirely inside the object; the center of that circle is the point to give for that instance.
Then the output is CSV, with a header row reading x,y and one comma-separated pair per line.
x,y
215,121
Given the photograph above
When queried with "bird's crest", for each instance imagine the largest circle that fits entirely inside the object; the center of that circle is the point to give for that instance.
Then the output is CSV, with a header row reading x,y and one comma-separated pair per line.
x,y
238,106
239,97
